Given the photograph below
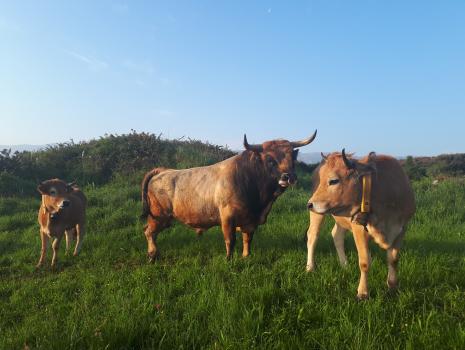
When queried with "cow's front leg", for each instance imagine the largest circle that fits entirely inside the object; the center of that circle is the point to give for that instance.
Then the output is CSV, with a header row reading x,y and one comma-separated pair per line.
x,y
246,242
338,234
68,238
316,220
43,251
361,241
229,234
55,246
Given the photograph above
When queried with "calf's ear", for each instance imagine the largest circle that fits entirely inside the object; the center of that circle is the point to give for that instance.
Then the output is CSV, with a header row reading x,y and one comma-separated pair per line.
x,y
70,185
41,188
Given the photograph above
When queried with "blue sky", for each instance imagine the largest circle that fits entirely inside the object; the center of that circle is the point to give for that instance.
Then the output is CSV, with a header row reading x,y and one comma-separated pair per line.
x,y
387,76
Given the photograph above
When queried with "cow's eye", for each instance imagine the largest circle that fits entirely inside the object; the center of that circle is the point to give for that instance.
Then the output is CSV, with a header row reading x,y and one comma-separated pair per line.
x,y
333,182
53,192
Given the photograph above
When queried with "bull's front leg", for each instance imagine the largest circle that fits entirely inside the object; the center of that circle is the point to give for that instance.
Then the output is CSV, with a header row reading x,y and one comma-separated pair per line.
x,y
229,234
316,220
246,242
361,241
43,251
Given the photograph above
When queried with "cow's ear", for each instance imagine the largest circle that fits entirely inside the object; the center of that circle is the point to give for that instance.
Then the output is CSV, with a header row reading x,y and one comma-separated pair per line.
x,y
369,166
294,154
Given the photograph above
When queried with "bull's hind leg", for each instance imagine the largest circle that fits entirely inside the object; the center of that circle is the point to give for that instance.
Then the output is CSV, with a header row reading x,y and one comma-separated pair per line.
x,y
80,231
151,231
229,234
393,260
316,220
338,234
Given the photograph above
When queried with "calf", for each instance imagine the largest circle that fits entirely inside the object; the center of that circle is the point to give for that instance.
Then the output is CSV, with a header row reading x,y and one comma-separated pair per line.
x,y
62,211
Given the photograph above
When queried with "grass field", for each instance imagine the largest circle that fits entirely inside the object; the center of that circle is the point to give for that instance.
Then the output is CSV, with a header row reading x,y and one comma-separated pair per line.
x,y
110,297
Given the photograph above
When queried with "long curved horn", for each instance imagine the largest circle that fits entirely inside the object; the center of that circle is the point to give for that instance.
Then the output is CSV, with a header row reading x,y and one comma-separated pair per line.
x,y
305,142
349,163
255,148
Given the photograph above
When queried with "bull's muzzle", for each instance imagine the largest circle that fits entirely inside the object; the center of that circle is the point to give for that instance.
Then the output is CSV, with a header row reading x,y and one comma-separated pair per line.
x,y
287,179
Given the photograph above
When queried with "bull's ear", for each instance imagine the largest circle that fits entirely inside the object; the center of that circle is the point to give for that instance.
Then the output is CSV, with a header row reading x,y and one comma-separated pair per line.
x,y
295,153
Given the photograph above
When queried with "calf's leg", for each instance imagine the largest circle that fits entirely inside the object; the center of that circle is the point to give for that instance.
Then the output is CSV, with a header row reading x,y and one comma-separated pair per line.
x,y
393,260
246,242
55,246
80,231
43,251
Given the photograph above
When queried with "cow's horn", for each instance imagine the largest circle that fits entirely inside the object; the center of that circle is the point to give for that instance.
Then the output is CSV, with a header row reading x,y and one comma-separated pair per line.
x,y
255,148
324,156
349,164
296,144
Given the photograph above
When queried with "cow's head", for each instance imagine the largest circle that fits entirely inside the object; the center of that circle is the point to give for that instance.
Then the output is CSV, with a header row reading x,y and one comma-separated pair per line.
x,y
278,158
336,183
55,194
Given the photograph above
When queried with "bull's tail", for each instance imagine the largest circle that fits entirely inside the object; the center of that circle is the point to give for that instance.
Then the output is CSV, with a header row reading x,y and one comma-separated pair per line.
x,y
145,187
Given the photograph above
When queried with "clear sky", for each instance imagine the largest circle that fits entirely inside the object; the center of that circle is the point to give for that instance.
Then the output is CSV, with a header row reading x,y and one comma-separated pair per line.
x,y
387,76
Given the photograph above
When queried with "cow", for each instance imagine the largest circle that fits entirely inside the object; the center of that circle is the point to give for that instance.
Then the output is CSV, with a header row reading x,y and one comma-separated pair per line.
x,y
338,191
236,193
62,211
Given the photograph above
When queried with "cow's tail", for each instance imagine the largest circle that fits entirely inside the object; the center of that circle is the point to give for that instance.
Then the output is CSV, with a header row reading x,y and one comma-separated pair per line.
x,y
145,187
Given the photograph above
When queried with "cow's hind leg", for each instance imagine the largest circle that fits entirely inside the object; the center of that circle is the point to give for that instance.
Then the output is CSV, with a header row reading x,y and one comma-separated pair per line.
x,y
393,260
69,235
316,220
338,234
151,231
80,231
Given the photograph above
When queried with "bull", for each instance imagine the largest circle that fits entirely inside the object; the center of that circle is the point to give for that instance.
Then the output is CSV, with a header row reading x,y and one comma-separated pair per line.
x,y
236,193
341,190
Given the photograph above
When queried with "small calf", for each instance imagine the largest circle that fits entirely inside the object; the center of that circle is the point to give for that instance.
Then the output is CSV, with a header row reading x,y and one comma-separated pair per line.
x,y
63,211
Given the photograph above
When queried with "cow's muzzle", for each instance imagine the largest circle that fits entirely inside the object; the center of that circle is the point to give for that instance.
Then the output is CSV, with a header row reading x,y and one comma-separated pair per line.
x,y
287,179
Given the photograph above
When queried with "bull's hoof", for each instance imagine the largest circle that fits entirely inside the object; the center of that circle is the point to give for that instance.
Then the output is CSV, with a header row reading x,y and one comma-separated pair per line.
x,y
362,297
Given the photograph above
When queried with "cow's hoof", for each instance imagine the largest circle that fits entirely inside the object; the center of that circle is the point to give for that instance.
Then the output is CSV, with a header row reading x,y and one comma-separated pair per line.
x,y
38,266
362,297
310,268
153,257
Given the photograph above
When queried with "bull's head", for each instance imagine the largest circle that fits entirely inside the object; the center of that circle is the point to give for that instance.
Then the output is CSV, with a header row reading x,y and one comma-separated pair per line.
x,y
55,194
336,185
279,157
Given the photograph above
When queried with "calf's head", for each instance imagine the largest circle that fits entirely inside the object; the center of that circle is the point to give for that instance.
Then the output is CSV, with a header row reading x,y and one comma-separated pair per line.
x,y
55,194
337,187
278,158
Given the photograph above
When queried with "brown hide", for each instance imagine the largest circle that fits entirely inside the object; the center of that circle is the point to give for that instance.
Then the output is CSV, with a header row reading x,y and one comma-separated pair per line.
x,y
237,192
338,192
63,209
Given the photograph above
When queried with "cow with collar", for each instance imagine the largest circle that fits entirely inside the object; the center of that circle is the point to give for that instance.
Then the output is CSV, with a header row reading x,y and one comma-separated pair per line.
x,y
371,197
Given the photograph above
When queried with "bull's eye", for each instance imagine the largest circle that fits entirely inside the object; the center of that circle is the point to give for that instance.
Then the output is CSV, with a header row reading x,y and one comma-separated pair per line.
x,y
334,182
53,192
271,161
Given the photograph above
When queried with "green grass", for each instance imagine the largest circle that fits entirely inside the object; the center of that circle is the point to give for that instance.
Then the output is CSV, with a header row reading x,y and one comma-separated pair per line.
x,y
110,297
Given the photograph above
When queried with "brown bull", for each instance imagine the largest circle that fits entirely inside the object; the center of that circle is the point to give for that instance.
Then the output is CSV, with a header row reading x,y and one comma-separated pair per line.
x,y
62,211
338,191
235,193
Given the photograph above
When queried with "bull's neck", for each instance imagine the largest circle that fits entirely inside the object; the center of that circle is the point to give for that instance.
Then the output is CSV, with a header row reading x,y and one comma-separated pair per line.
x,y
255,178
